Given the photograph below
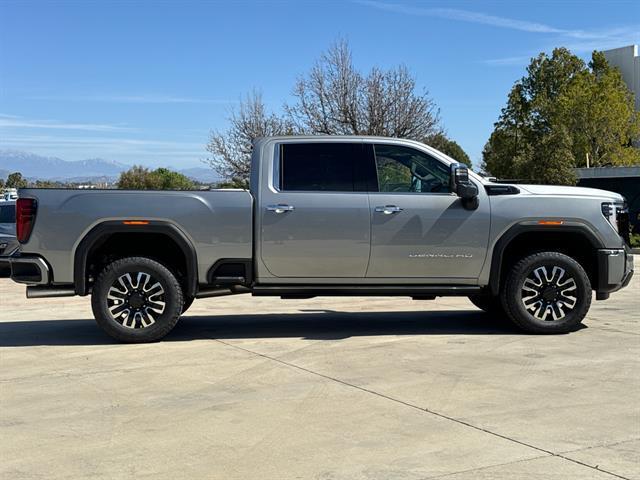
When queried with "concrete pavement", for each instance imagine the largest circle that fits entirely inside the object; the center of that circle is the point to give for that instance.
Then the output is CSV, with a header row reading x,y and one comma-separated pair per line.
x,y
328,388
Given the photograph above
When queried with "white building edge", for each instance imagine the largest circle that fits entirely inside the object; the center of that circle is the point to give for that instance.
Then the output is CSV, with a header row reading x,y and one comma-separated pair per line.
x,y
626,59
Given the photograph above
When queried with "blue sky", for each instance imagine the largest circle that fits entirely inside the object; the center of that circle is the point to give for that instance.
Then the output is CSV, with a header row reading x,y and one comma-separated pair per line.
x,y
145,82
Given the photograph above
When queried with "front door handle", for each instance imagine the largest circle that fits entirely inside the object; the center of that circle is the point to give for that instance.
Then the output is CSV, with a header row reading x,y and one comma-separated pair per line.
x,y
280,208
388,209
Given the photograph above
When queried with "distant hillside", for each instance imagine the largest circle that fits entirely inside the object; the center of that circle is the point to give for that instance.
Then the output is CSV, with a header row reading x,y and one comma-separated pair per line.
x,y
201,174
52,168
37,167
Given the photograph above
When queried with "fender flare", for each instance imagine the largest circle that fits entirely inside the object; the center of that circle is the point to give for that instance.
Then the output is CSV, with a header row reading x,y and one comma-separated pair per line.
x,y
103,230
518,229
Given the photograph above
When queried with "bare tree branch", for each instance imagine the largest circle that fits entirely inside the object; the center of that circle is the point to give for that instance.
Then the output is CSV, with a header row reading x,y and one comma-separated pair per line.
x,y
335,99
231,150
332,99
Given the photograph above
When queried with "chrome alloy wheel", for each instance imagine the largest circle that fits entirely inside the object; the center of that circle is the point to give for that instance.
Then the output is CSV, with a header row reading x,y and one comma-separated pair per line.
x,y
136,300
549,291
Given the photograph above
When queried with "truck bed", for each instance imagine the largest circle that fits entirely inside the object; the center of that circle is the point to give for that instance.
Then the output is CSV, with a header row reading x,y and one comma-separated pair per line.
x,y
217,222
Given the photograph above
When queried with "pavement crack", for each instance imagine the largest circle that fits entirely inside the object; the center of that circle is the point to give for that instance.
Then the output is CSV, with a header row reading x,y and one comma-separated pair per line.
x,y
485,467
421,409
601,445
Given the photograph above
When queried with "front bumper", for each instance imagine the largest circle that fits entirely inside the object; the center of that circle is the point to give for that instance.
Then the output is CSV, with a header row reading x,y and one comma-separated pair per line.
x,y
27,269
615,269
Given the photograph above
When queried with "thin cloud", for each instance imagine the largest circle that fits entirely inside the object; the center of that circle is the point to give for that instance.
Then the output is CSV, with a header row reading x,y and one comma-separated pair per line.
x,y
104,146
579,47
491,20
578,41
148,99
508,61
7,121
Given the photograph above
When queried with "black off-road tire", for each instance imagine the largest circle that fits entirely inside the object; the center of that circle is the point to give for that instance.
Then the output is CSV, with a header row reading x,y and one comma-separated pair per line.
x,y
171,297
512,294
488,304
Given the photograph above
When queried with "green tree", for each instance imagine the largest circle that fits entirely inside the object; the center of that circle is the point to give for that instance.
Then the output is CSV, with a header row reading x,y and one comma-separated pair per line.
x,y
1,184
136,178
233,183
15,180
141,178
165,179
599,112
449,147
45,184
561,113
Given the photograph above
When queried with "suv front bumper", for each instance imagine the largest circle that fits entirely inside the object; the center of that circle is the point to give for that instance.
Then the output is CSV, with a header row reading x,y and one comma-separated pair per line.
x,y
615,269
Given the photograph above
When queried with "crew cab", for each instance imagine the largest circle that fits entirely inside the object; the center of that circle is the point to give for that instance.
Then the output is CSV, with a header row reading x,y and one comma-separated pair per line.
x,y
327,216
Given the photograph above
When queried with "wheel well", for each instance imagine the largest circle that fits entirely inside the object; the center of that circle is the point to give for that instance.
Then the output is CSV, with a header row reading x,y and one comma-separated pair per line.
x,y
157,246
573,244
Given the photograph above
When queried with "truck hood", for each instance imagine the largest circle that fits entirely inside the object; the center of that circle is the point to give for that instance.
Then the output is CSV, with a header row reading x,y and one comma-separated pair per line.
x,y
571,191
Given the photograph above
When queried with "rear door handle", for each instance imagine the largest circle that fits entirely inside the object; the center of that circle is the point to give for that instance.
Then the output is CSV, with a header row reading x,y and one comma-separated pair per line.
x,y
388,209
280,208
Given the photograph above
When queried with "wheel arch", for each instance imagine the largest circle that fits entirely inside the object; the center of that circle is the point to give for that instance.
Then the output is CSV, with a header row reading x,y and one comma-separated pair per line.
x,y
101,233
576,238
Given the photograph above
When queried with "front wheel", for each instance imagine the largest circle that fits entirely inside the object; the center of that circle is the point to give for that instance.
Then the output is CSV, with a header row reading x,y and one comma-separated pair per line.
x,y
547,292
136,300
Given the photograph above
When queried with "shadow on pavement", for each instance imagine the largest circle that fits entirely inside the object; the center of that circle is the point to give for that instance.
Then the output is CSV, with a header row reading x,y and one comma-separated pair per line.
x,y
309,324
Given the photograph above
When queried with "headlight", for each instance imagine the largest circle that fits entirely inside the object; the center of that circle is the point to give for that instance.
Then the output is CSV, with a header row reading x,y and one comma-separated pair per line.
x,y
618,216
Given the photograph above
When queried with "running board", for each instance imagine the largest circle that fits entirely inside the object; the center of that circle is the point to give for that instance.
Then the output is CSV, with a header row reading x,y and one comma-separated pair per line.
x,y
47,292
418,291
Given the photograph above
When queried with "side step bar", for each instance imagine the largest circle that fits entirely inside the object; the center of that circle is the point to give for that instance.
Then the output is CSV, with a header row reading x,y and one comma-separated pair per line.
x,y
221,292
418,291
45,292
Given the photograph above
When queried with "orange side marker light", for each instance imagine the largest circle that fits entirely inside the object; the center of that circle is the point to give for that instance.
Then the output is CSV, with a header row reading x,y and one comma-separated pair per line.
x,y
136,222
550,222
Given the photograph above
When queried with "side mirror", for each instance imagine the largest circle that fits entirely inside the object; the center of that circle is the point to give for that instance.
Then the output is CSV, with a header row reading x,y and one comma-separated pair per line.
x,y
463,187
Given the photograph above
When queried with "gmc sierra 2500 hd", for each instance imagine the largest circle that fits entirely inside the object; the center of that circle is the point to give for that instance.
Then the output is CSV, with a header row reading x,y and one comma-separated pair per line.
x,y
327,216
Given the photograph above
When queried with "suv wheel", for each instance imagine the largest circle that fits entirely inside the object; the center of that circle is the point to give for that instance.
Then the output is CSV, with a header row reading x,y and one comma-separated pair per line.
x,y
547,292
136,300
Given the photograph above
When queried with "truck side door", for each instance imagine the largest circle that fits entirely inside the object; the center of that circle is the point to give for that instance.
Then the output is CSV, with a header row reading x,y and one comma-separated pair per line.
x,y
419,229
314,219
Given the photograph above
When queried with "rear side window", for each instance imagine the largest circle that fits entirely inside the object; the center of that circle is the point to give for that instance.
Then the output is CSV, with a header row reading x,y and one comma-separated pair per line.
x,y
8,213
327,167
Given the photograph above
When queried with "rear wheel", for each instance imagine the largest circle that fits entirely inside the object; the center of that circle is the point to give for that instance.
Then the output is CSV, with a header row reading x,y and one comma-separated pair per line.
x,y
547,292
136,300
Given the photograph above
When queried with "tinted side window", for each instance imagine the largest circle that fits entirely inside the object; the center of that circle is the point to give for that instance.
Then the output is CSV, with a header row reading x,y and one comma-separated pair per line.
x,y
329,167
8,213
404,169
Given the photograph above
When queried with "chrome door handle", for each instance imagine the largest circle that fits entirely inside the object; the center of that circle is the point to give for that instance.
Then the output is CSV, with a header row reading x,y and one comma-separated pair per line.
x,y
388,209
280,208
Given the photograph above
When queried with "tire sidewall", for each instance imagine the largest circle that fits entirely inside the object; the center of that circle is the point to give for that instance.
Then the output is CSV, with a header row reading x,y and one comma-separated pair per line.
x,y
172,296
513,293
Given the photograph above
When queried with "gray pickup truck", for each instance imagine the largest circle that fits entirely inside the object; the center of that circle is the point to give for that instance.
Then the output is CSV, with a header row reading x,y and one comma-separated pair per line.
x,y
327,216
